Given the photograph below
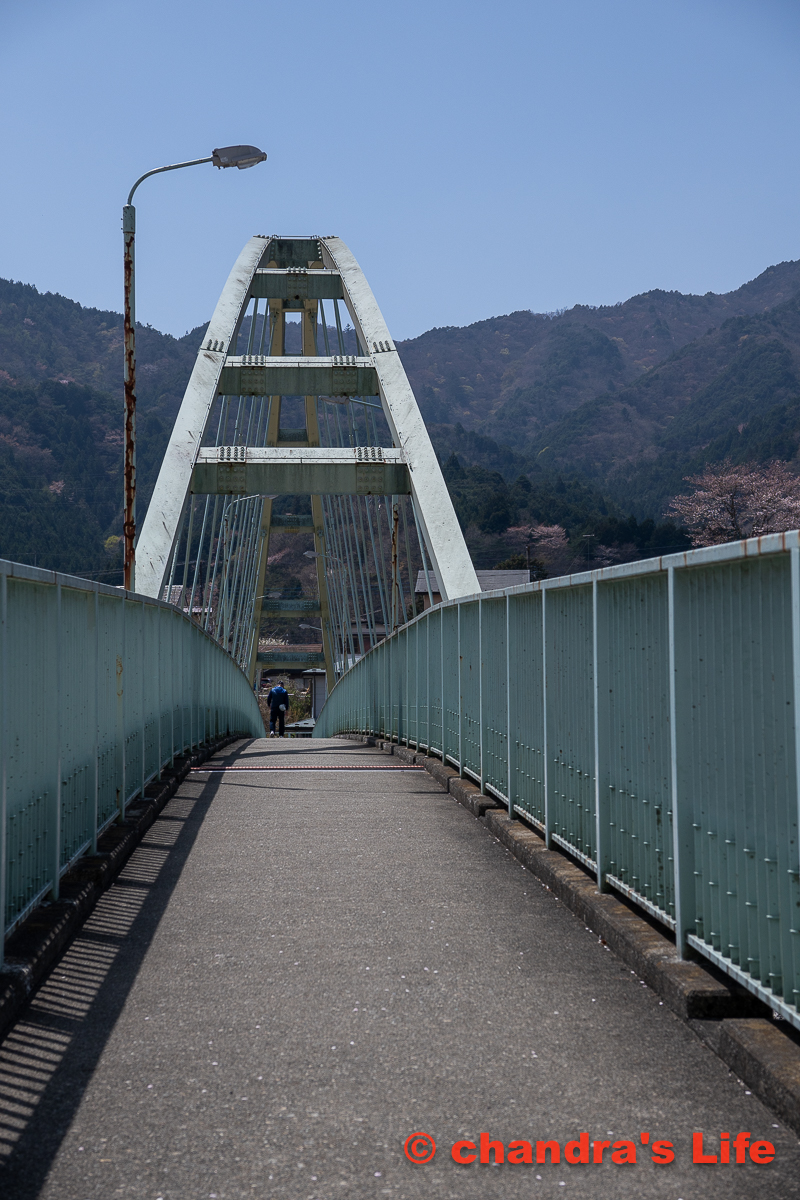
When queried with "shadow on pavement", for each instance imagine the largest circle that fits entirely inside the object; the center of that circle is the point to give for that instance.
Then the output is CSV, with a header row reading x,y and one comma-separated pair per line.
x,y
292,747
49,1055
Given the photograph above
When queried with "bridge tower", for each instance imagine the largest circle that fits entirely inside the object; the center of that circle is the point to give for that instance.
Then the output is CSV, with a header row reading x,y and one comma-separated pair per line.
x,y
205,541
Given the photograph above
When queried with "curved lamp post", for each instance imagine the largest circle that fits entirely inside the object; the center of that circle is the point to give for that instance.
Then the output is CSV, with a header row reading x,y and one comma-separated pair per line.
x,y
330,557
229,156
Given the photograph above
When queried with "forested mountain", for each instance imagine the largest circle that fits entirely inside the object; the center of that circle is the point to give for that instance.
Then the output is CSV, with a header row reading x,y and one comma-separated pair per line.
x,y
512,377
45,336
61,426
733,392
577,419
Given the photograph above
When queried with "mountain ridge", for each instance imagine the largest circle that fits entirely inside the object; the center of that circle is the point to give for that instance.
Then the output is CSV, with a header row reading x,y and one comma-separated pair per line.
x,y
564,359
620,401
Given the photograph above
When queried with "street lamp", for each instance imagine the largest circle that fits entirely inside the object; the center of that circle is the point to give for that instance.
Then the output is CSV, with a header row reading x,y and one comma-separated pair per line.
x,y
229,156
330,557
232,503
316,628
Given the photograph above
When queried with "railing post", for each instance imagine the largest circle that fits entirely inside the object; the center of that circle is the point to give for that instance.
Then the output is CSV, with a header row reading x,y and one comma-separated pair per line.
x,y
229,690
119,688
197,689
416,683
159,623
428,681
679,714
394,687
142,696
441,691
3,756
408,690
192,718
401,680
56,848
460,705
480,694
389,693
511,716
182,692
601,672
545,750
386,683
795,593
96,806
378,689
172,687
397,685
200,720
791,971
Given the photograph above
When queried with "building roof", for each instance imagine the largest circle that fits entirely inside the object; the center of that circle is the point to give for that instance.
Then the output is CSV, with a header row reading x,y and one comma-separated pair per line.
x,y
490,581
291,647
173,596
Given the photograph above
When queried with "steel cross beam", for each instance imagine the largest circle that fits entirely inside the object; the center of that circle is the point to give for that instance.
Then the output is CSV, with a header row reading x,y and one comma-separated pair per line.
x,y
296,285
259,375
310,470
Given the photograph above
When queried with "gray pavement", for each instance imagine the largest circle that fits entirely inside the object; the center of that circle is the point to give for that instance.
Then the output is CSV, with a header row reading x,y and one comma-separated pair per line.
x,y
299,969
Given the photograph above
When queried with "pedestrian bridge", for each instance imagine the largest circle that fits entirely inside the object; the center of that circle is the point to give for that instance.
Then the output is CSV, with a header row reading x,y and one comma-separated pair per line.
x,y
639,721
303,965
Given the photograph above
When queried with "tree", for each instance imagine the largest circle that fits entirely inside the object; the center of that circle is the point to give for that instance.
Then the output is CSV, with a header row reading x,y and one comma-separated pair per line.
x,y
731,502
524,562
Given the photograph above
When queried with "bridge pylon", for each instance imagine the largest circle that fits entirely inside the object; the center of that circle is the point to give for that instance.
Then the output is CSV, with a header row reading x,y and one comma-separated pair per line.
x,y
205,541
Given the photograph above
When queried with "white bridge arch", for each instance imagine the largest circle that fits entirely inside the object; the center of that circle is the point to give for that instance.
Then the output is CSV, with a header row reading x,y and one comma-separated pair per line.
x,y
205,541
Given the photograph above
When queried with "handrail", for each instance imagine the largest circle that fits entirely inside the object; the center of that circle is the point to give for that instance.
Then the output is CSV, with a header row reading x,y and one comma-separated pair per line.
x,y
642,718
100,689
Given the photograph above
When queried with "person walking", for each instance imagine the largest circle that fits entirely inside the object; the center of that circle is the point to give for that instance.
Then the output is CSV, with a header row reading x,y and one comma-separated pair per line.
x,y
278,701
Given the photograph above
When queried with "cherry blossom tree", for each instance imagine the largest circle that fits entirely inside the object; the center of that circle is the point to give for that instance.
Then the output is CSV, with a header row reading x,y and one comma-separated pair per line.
x,y
731,502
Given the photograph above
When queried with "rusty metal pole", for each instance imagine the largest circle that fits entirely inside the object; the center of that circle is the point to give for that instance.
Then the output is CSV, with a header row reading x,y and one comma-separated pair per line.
x,y
229,156
129,511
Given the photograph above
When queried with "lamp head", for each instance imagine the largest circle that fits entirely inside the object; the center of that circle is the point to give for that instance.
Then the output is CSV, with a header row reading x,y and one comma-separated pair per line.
x,y
238,156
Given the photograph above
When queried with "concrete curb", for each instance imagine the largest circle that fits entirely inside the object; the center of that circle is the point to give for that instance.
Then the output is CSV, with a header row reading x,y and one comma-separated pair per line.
x,y
723,1014
689,990
34,948
768,1062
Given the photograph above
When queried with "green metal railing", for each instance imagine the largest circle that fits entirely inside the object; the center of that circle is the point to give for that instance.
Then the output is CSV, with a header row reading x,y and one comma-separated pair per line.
x,y
643,718
99,690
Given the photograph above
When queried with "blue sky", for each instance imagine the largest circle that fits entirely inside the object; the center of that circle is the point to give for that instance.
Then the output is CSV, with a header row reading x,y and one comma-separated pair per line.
x,y
477,157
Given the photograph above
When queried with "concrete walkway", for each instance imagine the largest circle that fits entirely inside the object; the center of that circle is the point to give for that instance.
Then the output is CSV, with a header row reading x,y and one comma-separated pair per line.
x,y
299,969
